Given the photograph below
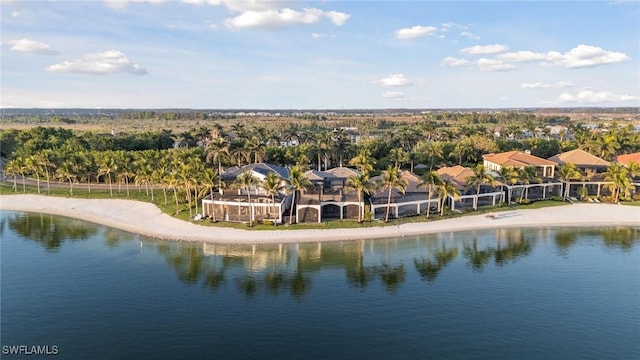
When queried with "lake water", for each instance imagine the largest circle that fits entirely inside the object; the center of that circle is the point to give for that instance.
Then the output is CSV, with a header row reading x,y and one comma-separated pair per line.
x,y
98,293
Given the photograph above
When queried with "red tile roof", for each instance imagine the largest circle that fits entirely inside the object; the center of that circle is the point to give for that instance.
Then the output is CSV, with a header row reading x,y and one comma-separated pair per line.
x,y
628,158
578,157
517,159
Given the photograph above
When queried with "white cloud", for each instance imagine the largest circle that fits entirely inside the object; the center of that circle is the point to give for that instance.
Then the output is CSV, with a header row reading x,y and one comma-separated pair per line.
x,y
470,35
31,46
578,57
455,62
121,4
108,62
522,56
592,97
243,5
415,32
589,56
485,49
539,85
321,36
393,80
337,18
397,95
493,65
273,19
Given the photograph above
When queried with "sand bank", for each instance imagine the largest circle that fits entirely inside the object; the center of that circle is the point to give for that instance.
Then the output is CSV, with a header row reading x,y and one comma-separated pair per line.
x,y
147,219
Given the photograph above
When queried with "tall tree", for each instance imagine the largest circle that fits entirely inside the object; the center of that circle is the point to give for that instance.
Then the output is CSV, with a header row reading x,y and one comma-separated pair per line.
x,y
298,182
568,172
445,189
272,185
246,181
480,177
430,180
392,179
361,184
527,176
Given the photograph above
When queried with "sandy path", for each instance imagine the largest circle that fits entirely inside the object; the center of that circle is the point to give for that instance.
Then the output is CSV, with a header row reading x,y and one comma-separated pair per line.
x,y
146,219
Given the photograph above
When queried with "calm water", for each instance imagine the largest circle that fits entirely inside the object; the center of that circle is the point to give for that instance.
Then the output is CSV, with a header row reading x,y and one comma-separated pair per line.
x,y
98,293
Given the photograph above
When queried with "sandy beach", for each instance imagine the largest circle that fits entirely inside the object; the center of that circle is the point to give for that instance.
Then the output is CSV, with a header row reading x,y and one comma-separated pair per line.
x,y
147,219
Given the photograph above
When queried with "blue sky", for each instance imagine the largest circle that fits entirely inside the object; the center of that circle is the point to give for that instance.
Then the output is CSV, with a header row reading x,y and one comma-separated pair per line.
x,y
225,54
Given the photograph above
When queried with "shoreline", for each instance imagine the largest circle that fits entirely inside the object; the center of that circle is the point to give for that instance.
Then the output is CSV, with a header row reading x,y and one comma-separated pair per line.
x,y
148,220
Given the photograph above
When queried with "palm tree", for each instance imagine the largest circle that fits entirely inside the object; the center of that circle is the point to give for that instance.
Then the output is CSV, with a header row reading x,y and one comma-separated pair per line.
x,y
446,188
398,156
298,182
44,160
13,169
617,176
361,184
67,172
479,178
363,163
341,144
392,179
430,179
567,172
527,175
246,181
217,151
272,185
107,167
463,149
508,174
34,169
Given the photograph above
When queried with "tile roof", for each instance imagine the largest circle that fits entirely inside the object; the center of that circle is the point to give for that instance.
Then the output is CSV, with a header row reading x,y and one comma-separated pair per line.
x,y
456,173
260,168
517,159
343,172
628,158
319,175
578,157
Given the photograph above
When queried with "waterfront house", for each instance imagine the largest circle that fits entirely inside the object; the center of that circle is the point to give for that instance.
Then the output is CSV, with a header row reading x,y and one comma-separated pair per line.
x,y
327,197
545,171
458,175
591,167
231,203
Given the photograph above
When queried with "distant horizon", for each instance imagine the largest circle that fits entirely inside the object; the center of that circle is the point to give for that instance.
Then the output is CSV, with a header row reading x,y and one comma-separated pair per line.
x,y
312,54
566,108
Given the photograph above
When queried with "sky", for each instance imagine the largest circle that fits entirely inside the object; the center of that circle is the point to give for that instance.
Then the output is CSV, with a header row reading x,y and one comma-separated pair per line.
x,y
250,54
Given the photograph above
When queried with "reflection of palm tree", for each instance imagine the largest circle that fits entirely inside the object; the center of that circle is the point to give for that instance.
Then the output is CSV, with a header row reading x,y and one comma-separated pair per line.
x,y
565,239
477,258
513,251
429,270
392,276
50,231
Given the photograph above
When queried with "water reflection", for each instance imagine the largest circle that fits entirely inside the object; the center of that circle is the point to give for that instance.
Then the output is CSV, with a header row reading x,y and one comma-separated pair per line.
x,y
48,230
291,269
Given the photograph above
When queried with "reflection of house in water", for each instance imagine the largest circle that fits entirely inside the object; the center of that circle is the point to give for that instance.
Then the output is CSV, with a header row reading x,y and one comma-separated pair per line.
x,y
254,257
